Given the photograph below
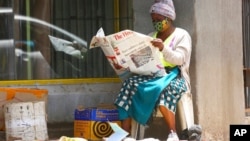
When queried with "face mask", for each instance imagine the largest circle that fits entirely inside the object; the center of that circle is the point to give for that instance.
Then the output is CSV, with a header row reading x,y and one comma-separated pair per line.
x,y
159,26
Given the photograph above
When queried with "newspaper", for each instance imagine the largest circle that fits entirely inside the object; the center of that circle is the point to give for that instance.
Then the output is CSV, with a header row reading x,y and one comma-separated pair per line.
x,y
118,134
129,52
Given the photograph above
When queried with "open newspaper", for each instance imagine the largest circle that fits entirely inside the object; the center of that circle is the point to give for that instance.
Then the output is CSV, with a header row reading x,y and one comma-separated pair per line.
x,y
129,52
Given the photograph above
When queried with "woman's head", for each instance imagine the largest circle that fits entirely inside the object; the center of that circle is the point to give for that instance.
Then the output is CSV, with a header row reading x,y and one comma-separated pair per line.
x,y
162,13
164,8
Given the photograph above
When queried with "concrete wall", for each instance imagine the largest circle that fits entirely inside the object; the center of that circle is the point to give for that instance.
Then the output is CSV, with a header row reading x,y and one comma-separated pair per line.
x,y
216,63
142,20
63,99
216,68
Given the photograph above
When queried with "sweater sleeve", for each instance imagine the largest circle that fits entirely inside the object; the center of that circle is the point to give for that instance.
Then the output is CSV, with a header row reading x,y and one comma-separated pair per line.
x,y
180,51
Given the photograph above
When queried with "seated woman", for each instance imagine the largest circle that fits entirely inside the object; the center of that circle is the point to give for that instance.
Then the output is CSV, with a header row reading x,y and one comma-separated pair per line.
x,y
140,94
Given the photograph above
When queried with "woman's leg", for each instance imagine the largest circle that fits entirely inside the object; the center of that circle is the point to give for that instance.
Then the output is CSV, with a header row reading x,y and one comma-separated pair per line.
x,y
126,125
169,117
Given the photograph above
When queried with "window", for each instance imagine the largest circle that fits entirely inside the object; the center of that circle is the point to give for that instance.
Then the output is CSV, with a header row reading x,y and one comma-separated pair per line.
x,y
48,39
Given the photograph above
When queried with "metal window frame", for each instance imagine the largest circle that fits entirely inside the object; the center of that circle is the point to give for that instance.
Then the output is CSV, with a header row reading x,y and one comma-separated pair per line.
x,y
246,52
71,81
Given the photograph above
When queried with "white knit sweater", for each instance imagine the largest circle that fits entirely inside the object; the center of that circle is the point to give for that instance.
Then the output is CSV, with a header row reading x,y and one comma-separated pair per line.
x,y
178,52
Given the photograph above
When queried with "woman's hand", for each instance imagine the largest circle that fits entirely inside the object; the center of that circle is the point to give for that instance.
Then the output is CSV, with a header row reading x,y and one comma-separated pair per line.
x,y
158,43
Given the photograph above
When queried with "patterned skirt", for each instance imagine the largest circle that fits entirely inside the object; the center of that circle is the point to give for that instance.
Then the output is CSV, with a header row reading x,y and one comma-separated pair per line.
x,y
140,95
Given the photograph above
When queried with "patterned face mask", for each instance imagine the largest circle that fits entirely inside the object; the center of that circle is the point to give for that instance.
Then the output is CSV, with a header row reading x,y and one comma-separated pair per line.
x,y
159,26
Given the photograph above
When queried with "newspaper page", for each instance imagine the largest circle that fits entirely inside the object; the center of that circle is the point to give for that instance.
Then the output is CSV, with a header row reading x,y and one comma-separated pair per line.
x,y
129,52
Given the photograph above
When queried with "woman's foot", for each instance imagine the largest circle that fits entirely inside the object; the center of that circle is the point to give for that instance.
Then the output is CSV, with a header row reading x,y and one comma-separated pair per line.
x,y
172,136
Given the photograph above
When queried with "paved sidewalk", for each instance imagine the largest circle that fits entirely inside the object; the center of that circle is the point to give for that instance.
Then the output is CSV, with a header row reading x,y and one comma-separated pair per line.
x,y
55,131
156,130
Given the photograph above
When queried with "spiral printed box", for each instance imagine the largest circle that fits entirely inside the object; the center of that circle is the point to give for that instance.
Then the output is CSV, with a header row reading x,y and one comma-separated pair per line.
x,y
91,123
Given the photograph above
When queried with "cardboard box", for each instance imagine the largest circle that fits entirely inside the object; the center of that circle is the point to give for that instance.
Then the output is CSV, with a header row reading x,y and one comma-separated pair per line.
x,y
97,114
11,95
26,121
91,123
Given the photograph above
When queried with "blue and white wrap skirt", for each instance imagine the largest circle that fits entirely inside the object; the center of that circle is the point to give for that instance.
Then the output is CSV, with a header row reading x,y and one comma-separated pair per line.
x,y
140,95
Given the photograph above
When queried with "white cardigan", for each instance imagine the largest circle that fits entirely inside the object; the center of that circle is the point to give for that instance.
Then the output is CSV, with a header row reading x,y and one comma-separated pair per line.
x,y
178,52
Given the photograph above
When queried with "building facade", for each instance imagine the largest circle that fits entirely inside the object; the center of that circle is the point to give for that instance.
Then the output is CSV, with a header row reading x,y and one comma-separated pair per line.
x,y
78,77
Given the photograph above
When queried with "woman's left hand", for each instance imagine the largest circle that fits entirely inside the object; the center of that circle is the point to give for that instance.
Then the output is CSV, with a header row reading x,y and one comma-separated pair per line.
x,y
158,43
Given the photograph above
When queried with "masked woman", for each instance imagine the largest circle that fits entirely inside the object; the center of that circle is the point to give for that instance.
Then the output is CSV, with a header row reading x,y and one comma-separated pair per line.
x,y
140,94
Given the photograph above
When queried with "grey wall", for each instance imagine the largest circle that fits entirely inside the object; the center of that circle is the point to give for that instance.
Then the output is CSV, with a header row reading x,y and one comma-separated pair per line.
x,y
219,66
142,20
63,99
216,64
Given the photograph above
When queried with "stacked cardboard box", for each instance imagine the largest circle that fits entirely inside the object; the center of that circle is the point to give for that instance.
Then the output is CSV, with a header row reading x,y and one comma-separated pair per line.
x,y
25,121
92,123
12,95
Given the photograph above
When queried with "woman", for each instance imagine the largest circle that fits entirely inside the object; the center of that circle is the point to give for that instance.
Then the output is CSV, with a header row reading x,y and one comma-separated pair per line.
x,y
140,94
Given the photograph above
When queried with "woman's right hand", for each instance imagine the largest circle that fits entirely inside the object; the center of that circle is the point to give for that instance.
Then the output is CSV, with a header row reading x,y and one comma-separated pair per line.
x,y
158,43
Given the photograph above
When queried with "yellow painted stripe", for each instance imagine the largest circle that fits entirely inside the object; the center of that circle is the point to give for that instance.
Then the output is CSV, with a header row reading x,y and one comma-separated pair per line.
x,y
60,81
